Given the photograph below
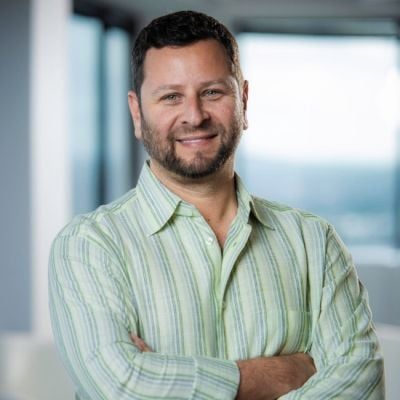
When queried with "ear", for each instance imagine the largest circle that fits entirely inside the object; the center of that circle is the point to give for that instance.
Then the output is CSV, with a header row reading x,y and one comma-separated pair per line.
x,y
134,108
245,97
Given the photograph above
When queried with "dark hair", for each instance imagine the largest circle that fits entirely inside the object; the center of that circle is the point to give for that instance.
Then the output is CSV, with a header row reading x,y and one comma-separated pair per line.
x,y
179,29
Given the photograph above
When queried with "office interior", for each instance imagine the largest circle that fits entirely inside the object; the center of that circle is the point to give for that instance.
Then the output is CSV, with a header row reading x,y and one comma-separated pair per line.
x,y
324,136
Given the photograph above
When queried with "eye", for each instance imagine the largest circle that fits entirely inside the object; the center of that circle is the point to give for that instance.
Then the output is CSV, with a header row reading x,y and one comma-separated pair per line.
x,y
212,93
170,98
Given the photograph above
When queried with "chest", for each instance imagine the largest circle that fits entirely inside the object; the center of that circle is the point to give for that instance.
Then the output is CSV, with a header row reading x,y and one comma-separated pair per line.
x,y
250,300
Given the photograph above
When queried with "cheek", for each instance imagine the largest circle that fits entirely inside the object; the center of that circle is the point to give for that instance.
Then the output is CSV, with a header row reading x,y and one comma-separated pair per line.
x,y
228,115
229,109
161,120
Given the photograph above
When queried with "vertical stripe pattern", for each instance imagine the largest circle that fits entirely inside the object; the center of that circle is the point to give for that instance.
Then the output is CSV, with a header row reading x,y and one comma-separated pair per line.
x,y
149,264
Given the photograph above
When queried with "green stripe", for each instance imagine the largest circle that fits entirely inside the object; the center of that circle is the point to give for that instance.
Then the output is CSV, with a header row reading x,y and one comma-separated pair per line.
x,y
150,264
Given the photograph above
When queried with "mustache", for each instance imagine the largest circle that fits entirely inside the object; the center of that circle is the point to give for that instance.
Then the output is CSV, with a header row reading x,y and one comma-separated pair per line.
x,y
205,127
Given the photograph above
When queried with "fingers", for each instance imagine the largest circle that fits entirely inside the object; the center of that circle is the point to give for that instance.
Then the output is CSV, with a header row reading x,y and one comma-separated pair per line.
x,y
307,360
140,343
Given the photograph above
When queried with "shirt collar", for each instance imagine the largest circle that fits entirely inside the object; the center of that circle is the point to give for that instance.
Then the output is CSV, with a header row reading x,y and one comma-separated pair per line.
x,y
160,204
253,205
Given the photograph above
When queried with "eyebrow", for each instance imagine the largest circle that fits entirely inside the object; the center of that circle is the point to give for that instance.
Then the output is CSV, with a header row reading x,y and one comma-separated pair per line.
x,y
225,82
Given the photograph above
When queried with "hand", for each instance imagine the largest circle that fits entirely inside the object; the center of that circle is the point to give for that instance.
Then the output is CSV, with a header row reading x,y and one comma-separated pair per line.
x,y
140,343
267,378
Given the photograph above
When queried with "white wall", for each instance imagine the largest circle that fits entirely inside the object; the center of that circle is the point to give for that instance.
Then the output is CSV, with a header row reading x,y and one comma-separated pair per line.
x,y
50,169
389,337
30,369
382,284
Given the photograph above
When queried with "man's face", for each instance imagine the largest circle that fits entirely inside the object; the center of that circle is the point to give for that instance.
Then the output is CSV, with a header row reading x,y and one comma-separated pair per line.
x,y
192,111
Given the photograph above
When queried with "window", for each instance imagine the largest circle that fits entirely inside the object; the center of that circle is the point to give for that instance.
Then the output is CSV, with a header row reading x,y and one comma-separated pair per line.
x,y
323,115
84,111
118,133
103,161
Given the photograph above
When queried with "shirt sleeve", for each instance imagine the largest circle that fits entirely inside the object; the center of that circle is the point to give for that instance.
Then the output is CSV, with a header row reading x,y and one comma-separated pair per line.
x,y
92,318
344,345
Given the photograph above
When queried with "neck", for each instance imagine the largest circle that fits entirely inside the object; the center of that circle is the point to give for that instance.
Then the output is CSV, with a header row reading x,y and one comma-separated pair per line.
x,y
214,196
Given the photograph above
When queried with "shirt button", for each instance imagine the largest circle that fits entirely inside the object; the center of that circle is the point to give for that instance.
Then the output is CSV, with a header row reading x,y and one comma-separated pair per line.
x,y
210,240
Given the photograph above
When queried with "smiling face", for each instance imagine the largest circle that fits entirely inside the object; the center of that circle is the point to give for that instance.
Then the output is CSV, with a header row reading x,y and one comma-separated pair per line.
x,y
192,110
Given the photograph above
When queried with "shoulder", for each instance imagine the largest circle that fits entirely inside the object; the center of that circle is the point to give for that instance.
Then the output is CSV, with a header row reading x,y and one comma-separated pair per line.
x,y
279,213
103,226
294,225
308,235
297,225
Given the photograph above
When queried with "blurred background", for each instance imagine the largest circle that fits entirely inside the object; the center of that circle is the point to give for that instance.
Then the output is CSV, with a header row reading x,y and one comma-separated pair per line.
x,y
324,136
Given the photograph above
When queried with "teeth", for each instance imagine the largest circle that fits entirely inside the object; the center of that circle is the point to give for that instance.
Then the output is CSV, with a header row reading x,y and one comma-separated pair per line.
x,y
193,140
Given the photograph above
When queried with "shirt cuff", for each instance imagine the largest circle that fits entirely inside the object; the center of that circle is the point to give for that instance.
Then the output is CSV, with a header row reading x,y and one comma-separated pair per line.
x,y
215,378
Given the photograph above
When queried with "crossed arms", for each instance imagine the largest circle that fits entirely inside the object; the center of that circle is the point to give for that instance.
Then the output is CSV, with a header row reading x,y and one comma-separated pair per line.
x,y
264,378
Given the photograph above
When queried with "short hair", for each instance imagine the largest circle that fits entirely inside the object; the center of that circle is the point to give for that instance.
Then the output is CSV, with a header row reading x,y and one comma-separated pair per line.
x,y
180,29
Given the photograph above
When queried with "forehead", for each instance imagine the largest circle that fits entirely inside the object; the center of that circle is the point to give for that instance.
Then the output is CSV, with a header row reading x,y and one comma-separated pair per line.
x,y
205,59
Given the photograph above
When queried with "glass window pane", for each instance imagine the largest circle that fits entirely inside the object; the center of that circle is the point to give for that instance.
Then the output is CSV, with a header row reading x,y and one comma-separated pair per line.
x,y
118,144
322,137
85,36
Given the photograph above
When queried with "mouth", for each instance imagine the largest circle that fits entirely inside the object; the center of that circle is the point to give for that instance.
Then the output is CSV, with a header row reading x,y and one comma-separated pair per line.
x,y
196,139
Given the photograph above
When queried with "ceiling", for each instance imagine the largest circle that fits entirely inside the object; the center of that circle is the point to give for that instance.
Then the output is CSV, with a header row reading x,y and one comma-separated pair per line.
x,y
297,16
232,11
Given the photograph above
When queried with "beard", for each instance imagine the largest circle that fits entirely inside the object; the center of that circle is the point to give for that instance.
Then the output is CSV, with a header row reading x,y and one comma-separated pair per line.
x,y
200,165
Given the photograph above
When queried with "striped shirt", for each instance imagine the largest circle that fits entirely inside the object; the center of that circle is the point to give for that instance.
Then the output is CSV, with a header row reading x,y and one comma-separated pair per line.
x,y
149,263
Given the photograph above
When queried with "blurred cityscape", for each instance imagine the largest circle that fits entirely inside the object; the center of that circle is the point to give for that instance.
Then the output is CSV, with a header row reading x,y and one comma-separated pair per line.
x,y
357,200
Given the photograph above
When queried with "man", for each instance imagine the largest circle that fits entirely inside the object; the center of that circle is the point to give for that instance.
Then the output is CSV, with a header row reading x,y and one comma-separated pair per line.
x,y
189,287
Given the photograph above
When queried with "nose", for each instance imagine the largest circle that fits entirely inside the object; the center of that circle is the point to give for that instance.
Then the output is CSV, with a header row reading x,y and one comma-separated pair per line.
x,y
194,113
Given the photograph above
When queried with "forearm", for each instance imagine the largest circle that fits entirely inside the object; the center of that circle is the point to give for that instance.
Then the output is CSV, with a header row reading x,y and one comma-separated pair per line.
x,y
267,378
264,377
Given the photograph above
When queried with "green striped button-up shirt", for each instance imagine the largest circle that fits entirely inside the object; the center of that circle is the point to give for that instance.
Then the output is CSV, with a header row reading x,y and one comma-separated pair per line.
x,y
149,264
